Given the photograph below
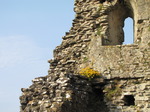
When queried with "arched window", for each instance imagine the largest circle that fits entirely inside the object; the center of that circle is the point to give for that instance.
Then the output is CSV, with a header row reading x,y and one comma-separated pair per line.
x,y
120,22
128,31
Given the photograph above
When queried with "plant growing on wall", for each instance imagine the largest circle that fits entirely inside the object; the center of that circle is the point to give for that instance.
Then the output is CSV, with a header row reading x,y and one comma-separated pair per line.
x,y
115,90
99,29
85,59
89,73
149,28
100,8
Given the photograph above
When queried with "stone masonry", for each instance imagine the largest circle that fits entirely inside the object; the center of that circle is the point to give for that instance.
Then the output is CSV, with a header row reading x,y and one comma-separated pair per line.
x,y
95,40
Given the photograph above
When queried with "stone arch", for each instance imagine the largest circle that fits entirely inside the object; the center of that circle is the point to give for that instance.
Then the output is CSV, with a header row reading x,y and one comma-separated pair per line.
x,y
116,18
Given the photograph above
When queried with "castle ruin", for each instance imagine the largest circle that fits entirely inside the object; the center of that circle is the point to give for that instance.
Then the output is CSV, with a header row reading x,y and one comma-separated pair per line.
x,y
96,40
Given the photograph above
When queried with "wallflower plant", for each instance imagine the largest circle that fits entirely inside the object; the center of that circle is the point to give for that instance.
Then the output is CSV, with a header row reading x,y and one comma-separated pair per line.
x,y
89,73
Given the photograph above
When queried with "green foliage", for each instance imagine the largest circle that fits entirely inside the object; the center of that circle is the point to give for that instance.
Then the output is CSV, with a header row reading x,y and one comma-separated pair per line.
x,y
133,106
149,28
149,44
85,59
111,92
100,8
89,73
99,29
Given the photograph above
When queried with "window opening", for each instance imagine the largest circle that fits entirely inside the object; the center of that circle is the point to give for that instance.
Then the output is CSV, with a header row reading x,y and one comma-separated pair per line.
x,y
129,100
128,31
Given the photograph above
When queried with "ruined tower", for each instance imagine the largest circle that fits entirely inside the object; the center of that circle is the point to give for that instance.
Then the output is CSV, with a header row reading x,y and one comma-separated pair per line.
x,y
95,40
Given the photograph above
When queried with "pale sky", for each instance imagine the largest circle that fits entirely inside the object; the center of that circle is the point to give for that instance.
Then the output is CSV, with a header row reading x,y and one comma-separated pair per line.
x,y
29,32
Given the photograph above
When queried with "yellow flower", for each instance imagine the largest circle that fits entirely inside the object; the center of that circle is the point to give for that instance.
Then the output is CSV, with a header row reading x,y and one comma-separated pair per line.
x,y
89,72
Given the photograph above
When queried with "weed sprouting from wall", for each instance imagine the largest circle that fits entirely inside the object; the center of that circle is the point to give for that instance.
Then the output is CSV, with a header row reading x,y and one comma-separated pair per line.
x,y
112,91
99,31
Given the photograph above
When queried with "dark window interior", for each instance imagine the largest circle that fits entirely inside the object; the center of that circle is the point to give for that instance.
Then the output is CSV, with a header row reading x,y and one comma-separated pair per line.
x,y
129,100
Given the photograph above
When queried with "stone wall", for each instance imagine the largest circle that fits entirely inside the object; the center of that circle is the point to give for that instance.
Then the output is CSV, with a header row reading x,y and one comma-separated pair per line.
x,y
95,40
64,93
